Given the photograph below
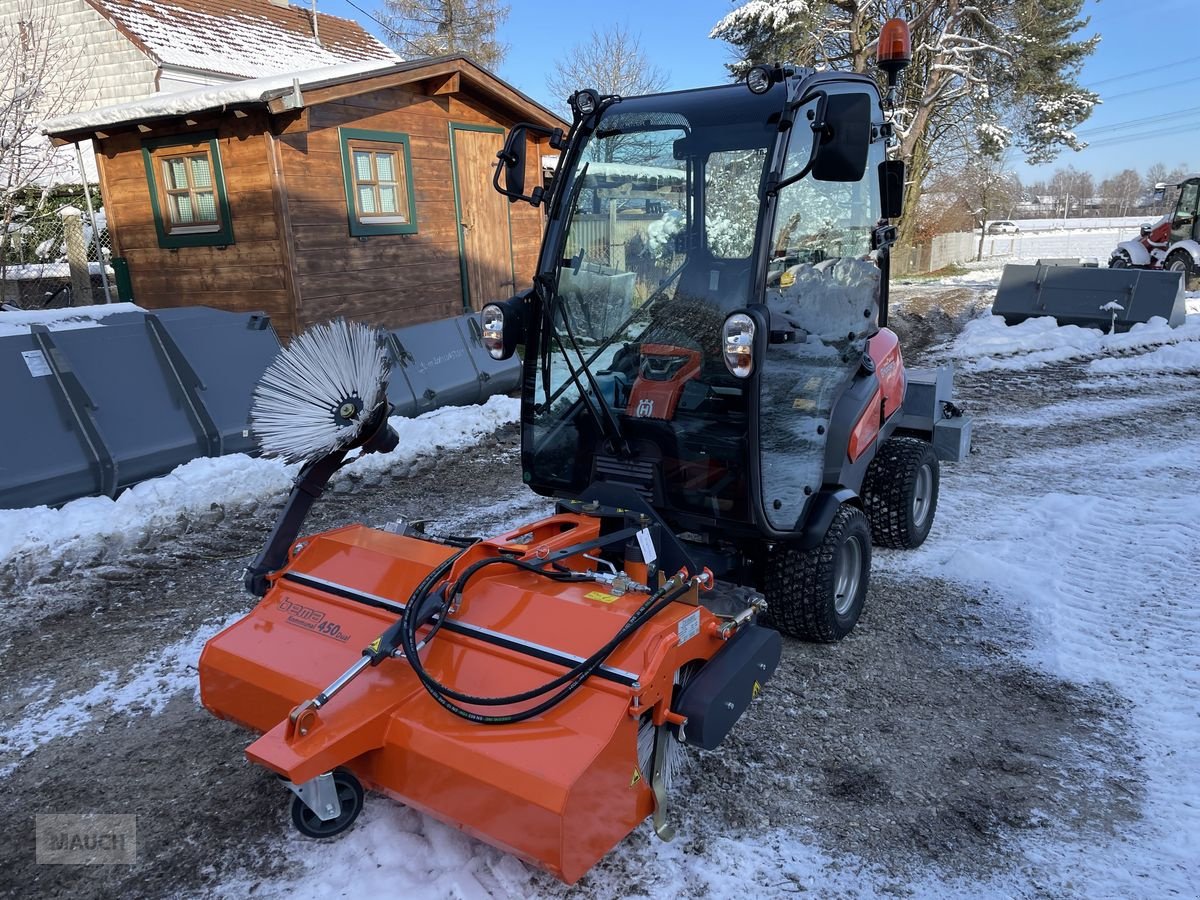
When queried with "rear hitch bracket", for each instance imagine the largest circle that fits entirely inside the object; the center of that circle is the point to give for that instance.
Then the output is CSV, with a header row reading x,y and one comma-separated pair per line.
x,y
318,794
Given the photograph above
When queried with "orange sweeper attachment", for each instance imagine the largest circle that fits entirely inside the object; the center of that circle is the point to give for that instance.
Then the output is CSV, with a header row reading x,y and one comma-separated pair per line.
x,y
532,689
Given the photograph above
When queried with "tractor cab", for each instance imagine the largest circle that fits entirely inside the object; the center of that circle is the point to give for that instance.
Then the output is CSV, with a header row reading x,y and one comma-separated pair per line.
x,y
709,284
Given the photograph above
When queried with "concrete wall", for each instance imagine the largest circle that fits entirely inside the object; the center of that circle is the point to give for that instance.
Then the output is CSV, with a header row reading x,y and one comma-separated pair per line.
x,y
961,247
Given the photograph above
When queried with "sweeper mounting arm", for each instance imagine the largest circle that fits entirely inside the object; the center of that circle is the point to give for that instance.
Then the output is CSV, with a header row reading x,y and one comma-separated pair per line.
x,y
307,489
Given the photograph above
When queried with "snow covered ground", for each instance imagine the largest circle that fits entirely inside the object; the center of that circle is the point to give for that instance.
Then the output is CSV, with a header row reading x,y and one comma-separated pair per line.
x,y
1066,555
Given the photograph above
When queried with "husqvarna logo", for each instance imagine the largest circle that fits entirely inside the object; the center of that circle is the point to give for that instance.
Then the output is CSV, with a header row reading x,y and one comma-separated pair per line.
x,y
645,409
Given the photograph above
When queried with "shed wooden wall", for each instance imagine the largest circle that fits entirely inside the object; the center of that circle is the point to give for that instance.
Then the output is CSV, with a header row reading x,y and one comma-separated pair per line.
x,y
293,256
247,276
391,280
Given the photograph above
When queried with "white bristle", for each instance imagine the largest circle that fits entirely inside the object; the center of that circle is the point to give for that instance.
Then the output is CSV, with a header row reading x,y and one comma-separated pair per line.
x,y
295,407
676,756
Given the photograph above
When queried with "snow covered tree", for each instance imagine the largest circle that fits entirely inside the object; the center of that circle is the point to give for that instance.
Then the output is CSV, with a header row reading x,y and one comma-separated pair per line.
x,y
419,28
1006,67
610,61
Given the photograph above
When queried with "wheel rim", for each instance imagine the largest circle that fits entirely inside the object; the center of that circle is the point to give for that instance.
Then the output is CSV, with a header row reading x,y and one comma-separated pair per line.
x,y
922,493
849,574
1177,265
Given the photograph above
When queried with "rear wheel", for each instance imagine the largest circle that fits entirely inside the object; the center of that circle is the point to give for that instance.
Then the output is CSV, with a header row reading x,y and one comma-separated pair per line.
x,y
818,595
900,492
1120,260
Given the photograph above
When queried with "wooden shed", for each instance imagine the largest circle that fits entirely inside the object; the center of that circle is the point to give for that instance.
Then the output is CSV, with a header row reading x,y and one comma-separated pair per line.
x,y
360,190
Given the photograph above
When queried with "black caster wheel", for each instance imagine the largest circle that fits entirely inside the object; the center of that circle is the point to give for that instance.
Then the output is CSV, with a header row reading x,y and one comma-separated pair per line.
x,y
350,795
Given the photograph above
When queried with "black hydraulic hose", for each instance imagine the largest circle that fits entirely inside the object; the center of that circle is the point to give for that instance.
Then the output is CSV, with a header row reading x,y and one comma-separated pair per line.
x,y
572,679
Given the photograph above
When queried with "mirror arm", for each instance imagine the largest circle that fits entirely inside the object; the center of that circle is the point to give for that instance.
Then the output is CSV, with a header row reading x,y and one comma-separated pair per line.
x,y
774,186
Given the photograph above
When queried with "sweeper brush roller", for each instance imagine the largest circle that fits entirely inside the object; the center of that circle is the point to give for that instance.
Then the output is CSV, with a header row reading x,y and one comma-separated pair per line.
x,y
321,391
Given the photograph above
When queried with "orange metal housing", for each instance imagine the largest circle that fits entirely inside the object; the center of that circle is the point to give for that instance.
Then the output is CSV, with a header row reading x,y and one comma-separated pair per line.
x,y
559,790
884,350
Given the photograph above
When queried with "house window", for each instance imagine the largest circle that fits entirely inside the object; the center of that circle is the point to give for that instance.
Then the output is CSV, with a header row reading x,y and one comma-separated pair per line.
x,y
377,168
187,191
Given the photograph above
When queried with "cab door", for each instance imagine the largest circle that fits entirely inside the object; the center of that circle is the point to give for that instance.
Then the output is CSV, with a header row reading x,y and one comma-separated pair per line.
x,y
1184,225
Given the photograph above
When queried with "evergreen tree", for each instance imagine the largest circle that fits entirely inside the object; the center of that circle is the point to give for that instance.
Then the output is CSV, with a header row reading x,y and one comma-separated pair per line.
x,y
419,28
1004,69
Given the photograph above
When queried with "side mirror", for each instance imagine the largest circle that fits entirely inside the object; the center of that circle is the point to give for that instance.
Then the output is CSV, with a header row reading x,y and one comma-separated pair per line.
x,y
512,162
891,189
502,326
843,142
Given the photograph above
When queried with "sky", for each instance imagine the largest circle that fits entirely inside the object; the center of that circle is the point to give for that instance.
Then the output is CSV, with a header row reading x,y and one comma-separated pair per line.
x,y
1144,68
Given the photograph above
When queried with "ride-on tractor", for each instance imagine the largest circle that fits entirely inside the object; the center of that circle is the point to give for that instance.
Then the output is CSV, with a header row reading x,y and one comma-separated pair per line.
x,y
710,394
1171,243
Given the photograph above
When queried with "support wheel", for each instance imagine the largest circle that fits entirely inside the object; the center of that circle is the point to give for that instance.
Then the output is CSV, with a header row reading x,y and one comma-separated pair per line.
x,y
900,492
350,796
817,595
1181,261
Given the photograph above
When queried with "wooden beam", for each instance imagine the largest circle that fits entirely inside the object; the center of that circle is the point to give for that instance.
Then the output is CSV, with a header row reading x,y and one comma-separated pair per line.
x,y
444,84
283,222
291,122
144,129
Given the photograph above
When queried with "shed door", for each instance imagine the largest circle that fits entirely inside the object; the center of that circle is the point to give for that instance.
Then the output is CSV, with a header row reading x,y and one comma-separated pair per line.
x,y
484,230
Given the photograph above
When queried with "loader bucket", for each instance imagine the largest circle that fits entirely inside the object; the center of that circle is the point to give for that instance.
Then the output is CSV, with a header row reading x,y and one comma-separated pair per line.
x,y
1090,297
558,790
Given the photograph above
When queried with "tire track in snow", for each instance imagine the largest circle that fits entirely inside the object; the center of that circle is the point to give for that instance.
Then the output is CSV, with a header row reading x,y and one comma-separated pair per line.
x,y
1103,563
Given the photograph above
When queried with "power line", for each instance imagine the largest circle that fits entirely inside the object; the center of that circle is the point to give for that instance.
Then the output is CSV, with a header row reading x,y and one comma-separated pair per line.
x,y
1130,138
388,28
1153,87
1138,123
1136,72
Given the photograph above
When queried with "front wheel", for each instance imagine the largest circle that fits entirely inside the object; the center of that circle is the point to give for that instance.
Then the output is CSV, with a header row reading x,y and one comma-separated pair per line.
x,y
1120,260
818,595
1181,261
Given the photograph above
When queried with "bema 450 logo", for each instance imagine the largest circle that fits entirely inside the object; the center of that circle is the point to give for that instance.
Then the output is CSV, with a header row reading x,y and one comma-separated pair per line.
x,y
303,613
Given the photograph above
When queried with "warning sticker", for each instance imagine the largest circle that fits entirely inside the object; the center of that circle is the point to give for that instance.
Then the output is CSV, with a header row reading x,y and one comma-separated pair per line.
x,y
689,627
36,363
601,596
637,776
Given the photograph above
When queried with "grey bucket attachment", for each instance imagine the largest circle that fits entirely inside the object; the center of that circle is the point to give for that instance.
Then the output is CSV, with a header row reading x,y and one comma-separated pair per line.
x,y
1088,297
929,410
1059,261
94,410
444,363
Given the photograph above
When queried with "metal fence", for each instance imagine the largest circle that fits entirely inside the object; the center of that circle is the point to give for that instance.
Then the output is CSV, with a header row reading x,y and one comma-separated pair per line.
x,y
55,250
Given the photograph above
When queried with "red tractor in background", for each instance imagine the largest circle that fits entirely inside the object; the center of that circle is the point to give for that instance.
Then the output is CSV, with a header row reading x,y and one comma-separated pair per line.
x,y
1171,243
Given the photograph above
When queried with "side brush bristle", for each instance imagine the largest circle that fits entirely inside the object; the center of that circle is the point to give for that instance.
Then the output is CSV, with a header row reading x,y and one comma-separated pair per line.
x,y
321,391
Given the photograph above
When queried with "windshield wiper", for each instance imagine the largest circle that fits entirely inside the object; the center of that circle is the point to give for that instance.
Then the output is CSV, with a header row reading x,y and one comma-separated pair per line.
x,y
603,416
608,342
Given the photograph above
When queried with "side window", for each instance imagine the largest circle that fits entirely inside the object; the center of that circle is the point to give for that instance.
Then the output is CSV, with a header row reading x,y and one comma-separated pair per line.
x,y
732,180
187,191
377,168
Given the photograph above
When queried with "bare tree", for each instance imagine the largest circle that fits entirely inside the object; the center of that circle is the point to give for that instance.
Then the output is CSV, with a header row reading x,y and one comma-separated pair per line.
x,y
41,75
1122,191
610,61
419,28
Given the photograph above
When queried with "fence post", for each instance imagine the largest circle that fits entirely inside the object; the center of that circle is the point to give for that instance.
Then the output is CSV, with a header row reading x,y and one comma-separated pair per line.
x,y
87,195
81,279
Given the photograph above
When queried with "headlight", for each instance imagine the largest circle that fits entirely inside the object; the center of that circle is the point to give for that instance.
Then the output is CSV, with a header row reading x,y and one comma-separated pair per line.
x,y
585,102
493,330
759,79
738,342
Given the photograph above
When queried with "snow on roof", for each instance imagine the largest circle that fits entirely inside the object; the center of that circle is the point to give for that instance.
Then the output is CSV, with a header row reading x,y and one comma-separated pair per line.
x,y
250,91
244,38
635,170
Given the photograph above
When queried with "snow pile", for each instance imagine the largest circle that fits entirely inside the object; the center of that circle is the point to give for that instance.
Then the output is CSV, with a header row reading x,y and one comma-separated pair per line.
x,y
91,527
18,321
988,343
146,689
1171,358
